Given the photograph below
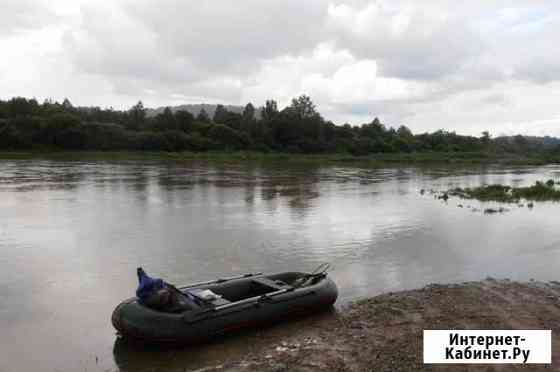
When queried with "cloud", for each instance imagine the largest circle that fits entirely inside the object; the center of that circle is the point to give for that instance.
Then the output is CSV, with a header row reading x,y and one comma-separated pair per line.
x,y
21,15
186,41
332,77
230,35
532,54
409,41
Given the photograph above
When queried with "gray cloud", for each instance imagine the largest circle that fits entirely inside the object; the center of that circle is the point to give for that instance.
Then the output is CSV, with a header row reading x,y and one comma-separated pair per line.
x,y
22,15
225,34
411,44
188,41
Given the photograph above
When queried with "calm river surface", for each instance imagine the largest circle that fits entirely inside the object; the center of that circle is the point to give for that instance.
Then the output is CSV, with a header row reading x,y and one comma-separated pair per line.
x,y
73,232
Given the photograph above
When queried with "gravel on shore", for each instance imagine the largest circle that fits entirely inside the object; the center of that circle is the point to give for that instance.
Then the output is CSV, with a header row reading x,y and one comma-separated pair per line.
x,y
384,333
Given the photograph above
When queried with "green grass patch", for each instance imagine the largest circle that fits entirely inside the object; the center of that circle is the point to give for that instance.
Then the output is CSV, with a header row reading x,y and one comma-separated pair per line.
x,y
540,191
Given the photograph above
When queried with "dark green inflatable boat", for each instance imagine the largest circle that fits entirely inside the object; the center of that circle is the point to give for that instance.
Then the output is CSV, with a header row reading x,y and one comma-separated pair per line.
x,y
241,302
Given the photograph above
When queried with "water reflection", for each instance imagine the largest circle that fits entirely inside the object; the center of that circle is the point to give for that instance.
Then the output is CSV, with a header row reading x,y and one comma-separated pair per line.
x,y
72,234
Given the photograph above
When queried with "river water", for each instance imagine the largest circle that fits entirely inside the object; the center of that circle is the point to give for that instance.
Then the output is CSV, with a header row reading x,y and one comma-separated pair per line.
x,y
73,232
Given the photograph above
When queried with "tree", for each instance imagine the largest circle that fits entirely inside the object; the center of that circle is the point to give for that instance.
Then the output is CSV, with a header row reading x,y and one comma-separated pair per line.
x,y
248,117
63,129
249,112
66,105
303,107
203,116
71,139
229,118
485,139
137,116
3,110
184,120
378,127
220,115
374,129
404,132
19,106
270,110
63,121
165,120
228,137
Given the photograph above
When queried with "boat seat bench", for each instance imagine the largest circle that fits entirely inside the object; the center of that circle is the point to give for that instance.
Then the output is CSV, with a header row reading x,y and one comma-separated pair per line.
x,y
220,301
276,285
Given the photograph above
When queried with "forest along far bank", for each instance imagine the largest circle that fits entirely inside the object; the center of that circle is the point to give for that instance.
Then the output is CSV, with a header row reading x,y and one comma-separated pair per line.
x,y
27,125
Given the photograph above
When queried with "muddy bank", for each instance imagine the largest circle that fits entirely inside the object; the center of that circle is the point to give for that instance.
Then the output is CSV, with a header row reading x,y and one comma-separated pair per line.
x,y
384,333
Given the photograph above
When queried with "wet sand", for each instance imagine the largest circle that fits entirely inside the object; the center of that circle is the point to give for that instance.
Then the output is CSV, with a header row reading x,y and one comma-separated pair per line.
x,y
384,333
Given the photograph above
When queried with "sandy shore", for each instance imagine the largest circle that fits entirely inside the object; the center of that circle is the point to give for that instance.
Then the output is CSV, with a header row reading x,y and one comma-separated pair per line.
x,y
384,333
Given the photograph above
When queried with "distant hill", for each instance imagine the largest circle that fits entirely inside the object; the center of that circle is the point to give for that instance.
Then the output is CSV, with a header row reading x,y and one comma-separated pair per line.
x,y
195,109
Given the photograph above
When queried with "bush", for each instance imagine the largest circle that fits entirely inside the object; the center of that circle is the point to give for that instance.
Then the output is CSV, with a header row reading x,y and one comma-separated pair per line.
x,y
62,121
176,140
201,127
105,136
198,143
150,141
71,139
228,137
13,139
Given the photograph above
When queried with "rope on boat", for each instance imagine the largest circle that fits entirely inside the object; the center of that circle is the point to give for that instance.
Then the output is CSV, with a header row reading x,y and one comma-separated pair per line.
x,y
320,271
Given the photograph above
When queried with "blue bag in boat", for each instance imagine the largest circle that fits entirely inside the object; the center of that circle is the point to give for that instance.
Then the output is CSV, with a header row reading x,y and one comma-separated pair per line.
x,y
147,286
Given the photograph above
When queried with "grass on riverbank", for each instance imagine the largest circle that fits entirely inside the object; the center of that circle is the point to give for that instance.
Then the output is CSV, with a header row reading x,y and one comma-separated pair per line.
x,y
242,156
540,191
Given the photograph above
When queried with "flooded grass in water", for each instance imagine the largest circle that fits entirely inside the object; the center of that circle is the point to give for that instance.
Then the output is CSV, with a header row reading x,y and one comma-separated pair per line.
x,y
540,191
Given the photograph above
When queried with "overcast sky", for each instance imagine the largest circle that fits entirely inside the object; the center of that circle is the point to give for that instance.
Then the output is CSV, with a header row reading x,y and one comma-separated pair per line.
x,y
466,66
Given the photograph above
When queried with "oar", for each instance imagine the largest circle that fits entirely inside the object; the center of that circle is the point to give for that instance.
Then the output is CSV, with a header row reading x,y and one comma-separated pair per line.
x,y
220,280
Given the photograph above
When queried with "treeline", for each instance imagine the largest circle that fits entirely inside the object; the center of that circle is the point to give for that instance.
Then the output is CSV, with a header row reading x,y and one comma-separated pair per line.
x,y
298,128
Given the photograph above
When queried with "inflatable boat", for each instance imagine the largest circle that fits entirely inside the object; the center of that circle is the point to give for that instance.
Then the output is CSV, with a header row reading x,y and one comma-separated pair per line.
x,y
238,302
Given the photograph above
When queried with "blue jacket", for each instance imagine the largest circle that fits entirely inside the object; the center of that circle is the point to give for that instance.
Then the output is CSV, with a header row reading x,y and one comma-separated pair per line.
x,y
146,285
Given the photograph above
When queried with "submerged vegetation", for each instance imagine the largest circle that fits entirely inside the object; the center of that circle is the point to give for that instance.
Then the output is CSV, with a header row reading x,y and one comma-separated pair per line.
x,y
522,196
540,191
27,125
